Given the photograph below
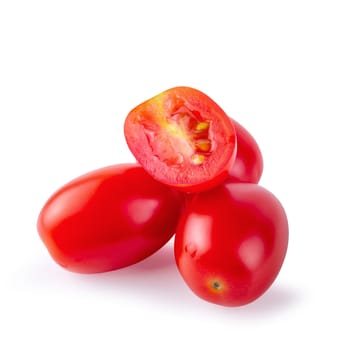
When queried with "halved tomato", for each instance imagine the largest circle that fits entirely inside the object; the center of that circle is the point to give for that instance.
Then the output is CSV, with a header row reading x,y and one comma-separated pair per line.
x,y
182,138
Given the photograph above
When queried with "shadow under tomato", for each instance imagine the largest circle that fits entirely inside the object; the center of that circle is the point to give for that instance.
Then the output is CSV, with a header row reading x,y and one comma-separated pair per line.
x,y
277,299
157,280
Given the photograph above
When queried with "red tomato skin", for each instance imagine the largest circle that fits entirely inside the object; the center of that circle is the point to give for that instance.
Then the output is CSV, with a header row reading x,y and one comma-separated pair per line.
x,y
155,113
231,242
108,219
248,165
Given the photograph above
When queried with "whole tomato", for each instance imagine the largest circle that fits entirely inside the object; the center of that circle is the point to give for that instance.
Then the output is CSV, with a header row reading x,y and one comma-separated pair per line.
x,y
108,219
231,242
248,165
182,138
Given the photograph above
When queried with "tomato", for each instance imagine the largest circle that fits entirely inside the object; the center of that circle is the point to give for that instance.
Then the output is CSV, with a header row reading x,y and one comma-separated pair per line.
x,y
248,165
182,138
231,242
108,219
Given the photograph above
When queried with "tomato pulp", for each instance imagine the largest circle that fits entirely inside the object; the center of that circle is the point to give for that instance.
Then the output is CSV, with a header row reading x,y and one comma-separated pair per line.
x,y
182,138
231,242
108,219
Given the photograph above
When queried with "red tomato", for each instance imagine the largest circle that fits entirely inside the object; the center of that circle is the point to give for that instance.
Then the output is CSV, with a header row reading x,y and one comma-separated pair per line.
x,y
231,242
182,138
108,219
248,165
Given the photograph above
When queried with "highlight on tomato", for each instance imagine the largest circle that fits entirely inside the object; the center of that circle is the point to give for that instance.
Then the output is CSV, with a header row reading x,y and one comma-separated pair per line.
x,y
231,242
108,219
182,138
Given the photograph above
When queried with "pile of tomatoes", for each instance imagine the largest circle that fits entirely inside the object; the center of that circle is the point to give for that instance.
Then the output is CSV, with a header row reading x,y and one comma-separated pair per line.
x,y
196,176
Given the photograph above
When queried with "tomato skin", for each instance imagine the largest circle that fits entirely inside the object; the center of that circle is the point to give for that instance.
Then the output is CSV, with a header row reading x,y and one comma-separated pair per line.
x,y
231,242
248,165
108,219
182,138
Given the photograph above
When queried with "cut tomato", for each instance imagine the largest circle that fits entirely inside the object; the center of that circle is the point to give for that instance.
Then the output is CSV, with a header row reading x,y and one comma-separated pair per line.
x,y
182,138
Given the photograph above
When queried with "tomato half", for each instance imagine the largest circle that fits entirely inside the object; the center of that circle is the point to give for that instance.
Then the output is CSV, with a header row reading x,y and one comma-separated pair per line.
x,y
182,138
248,165
231,242
108,219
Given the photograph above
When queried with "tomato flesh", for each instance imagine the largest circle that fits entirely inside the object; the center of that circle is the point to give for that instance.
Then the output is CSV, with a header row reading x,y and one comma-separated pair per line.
x,y
231,242
182,138
108,219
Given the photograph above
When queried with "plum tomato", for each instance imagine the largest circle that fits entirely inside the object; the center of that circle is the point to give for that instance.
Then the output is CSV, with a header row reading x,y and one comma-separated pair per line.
x,y
230,243
108,219
182,138
248,165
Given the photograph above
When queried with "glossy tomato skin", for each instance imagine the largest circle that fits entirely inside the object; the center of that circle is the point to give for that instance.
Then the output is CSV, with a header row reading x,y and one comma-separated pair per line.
x,y
182,138
248,165
231,242
108,219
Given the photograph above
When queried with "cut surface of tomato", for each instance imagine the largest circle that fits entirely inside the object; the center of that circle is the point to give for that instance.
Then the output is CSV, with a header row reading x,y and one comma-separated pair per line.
x,y
182,138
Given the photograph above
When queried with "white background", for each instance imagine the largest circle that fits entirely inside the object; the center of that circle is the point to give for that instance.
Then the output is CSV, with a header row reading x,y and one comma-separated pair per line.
x,y
70,71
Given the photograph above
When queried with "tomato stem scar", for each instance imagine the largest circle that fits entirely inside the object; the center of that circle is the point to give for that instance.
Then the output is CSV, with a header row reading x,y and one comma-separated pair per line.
x,y
216,285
